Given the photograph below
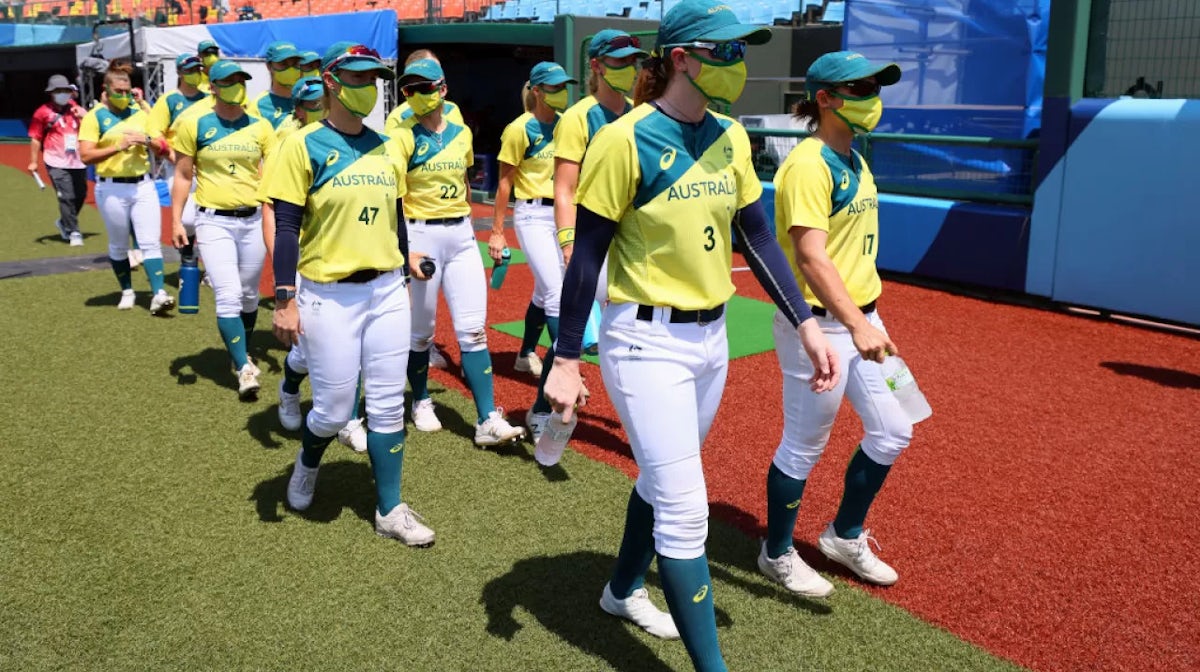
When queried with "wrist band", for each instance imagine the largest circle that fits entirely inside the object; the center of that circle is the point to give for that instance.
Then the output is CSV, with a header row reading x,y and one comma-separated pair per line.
x,y
566,236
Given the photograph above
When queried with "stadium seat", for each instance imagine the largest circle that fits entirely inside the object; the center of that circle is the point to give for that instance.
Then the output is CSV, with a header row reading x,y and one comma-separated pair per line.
x,y
638,12
544,11
654,10
835,12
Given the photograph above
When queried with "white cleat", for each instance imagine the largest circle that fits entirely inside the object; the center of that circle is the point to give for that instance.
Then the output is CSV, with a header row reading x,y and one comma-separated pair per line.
x,y
76,239
496,430
536,422
128,298
354,436
857,556
531,364
404,525
424,417
289,410
301,485
135,258
248,382
436,360
161,303
639,610
793,573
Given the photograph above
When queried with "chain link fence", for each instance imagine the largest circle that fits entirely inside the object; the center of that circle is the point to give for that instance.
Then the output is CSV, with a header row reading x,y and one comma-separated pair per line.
x,y
1143,48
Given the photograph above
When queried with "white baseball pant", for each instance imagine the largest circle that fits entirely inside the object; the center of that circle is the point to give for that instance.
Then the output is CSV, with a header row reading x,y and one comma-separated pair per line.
x,y
666,381
808,417
534,224
233,253
126,205
351,327
459,274
296,360
188,217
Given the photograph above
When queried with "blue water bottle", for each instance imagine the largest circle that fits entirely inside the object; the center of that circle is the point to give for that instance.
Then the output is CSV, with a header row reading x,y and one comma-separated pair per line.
x,y
189,287
501,269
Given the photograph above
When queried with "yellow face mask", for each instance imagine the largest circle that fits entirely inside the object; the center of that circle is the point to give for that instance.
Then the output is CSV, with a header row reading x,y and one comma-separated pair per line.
x,y
314,116
287,76
425,103
193,78
621,79
556,101
209,59
315,72
234,94
860,114
358,100
120,101
720,81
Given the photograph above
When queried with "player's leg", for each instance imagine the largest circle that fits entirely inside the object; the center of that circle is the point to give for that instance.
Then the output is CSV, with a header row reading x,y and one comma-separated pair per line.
x,y
115,214
295,370
807,420
217,240
538,241
384,364
251,253
427,239
146,217
332,316
887,432
534,225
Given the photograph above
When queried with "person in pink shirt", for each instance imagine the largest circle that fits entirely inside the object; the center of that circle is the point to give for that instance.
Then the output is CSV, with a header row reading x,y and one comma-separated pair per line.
x,y
54,137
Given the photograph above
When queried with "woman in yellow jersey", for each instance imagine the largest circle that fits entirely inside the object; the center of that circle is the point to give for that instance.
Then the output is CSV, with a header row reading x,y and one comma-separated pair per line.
x,y
112,137
310,64
337,186
223,148
437,153
166,111
308,98
403,112
827,219
527,164
660,189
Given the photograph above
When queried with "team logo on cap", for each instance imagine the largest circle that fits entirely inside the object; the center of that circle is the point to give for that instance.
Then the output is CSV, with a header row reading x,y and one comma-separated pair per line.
x,y
332,157
667,159
210,133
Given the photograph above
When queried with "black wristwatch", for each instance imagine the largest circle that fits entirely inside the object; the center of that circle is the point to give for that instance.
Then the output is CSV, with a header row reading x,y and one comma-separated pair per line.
x,y
284,294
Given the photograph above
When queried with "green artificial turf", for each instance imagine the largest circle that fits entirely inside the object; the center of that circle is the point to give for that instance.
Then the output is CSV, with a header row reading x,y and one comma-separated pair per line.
x,y
27,228
518,257
142,527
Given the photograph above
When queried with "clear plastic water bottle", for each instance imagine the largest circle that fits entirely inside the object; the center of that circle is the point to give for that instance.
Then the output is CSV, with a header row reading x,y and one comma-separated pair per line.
x,y
553,441
189,287
901,382
500,269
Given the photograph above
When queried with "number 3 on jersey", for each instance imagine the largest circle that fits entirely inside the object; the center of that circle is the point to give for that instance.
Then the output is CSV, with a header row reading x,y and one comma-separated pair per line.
x,y
367,216
710,243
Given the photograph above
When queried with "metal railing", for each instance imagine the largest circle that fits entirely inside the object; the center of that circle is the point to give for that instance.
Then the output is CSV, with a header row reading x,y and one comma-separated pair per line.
x,y
1144,49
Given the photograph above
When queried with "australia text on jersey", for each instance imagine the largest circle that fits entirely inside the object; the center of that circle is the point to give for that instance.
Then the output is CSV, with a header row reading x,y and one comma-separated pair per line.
x,y
724,187
438,166
862,205
365,180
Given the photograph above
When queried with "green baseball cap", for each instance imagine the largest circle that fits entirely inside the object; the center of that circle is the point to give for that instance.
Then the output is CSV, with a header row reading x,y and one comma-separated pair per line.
x,y
307,57
281,51
613,43
355,57
847,66
308,88
550,74
707,21
206,45
187,62
223,68
424,68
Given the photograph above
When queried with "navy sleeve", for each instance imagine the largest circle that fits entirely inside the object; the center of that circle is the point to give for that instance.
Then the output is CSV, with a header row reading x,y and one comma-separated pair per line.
x,y
287,242
593,235
402,234
769,264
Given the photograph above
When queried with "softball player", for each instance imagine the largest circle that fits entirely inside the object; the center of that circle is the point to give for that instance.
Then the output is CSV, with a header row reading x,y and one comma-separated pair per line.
x,y
827,220
209,53
527,163
336,187
404,111
166,111
283,62
310,64
658,190
112,136
437,153
224,149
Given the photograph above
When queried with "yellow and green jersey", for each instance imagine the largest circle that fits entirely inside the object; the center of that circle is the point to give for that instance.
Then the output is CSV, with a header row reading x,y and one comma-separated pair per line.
x,y
673,190
403,116
348,186
275,109
436,166
818,188
578,125
106,128
528,144
289,126
166,110
227,157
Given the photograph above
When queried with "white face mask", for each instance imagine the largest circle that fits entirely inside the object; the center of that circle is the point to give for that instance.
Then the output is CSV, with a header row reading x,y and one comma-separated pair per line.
x,y
61,98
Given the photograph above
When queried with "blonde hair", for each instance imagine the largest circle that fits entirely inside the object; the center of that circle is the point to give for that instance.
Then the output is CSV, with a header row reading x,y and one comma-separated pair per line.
x,y
418,55
528,99
118,70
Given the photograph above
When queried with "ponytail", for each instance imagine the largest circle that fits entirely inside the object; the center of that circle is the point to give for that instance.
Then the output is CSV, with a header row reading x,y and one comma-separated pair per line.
x,y
808,110
652,80
528,100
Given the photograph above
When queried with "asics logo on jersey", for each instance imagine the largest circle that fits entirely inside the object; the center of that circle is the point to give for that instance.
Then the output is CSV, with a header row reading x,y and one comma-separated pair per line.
x,y
794,505
422,148
845,179
667,159
179,106
107,123
700,594
332,157
278,113
537,139
210,133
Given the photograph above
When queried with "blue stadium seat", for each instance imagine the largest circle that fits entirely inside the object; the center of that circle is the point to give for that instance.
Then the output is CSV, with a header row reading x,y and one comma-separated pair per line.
x,y
525,9
782,10
638,12
509,13
835,12
545,10
654,10
493,12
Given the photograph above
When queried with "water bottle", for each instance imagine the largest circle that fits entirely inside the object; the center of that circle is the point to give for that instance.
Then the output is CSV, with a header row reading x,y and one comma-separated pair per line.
x,y
553,441
902,384
189,287
501,269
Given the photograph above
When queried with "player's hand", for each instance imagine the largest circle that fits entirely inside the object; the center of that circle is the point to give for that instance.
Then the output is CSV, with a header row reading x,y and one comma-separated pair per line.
x,y
33,166
872,343
134,138
496,245
566,254
414,265
179,237
137,94
824,357
286,322
564,387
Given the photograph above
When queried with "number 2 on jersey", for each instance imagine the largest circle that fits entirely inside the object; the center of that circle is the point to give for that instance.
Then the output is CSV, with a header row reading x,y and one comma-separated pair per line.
x,y
367,216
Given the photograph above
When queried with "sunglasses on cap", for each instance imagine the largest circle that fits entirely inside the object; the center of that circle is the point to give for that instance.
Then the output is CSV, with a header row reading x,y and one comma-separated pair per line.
x,y
191,62
552,88
721,51
358,50
424,87
860,88
623,41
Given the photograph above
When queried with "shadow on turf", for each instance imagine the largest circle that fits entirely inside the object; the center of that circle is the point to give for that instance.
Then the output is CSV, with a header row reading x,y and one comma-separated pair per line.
x,y
1156,374
55,238
345,484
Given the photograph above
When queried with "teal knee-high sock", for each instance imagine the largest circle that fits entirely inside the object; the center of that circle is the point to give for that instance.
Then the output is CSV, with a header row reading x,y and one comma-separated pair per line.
x,y
477,368
418,375
540,405
292,378
535,321
637,548
123,272
864,478
386,450
312,447
688,589
154,271
233,332
783,503
358,402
